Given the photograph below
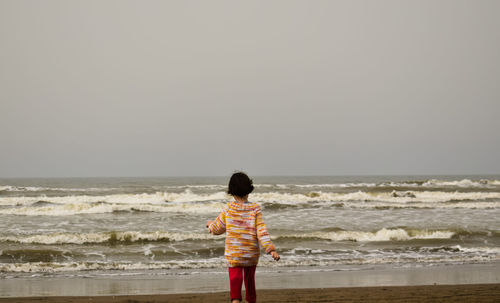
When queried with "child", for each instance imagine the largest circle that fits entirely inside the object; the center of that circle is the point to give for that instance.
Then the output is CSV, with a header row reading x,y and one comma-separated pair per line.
x,y
242,221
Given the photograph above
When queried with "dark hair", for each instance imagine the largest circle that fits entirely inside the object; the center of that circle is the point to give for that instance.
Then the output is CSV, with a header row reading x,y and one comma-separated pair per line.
x,y
240,185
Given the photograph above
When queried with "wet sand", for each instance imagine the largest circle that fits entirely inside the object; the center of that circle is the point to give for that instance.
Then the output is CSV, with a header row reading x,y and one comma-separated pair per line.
x,y
431,293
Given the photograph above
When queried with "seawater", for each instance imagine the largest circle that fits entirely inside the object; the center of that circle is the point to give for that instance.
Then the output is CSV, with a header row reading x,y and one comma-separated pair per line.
x,y
143,226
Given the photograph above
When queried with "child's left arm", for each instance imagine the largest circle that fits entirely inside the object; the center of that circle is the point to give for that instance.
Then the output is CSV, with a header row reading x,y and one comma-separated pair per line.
x,y
262,234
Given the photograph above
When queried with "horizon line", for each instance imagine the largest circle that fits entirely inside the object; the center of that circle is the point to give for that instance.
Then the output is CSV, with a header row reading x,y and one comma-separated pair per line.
x,y
253,176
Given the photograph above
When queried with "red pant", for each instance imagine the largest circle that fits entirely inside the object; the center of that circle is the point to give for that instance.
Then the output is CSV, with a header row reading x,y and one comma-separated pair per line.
x,y
236,279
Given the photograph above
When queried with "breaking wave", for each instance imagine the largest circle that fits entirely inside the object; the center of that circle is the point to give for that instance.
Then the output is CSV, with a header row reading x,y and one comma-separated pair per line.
x,y
113,237
156,198
461,183
100,207
385,234
188,196
189,202
12,188
431,183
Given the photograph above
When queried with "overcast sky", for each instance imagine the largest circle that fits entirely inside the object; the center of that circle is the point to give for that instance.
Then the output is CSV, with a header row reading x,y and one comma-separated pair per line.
x,y
176,88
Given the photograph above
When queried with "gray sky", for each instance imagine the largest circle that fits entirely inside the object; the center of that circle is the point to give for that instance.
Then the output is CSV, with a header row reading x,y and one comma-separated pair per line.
x,y
173,88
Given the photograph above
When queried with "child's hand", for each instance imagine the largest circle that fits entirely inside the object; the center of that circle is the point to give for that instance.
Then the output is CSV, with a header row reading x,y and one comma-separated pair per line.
x,y
275,255
208,224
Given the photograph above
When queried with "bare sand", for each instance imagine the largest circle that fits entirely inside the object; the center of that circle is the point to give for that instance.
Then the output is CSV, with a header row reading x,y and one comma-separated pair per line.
x,y
431,293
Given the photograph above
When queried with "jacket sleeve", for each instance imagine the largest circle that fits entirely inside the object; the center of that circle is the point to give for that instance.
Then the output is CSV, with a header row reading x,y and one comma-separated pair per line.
x,y
218,227
262,234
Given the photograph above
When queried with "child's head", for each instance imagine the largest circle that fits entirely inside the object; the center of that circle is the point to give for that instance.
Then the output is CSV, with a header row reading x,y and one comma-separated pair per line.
x,y
240,185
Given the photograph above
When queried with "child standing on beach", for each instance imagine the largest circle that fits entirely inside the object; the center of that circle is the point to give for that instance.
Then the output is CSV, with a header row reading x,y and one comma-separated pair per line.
x,y
242,221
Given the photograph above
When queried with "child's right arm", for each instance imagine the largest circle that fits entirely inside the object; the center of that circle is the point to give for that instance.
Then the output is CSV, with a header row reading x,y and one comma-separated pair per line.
x,y
275,255
218,226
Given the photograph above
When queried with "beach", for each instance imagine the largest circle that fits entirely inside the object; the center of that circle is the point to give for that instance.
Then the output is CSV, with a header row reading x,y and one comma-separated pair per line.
x,y
471,283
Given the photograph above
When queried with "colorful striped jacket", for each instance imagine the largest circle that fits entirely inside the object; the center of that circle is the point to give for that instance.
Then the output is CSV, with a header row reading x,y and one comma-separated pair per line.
x,y
244,229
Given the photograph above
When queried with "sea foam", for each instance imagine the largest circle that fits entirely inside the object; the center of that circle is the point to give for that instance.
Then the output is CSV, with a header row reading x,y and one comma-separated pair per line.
x,y
381,235
107,237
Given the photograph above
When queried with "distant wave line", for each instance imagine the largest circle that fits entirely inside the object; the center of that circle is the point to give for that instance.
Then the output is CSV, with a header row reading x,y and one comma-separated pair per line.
x,y
431,183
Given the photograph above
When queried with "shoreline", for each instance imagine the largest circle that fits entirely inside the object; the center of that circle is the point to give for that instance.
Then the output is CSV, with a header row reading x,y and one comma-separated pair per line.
x,y
210,281
420,293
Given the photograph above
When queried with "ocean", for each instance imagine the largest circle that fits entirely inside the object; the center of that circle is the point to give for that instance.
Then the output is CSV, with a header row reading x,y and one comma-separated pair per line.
x,y
100,227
